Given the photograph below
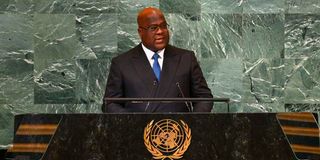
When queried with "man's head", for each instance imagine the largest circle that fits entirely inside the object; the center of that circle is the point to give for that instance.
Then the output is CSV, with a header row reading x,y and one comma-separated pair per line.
x,y
152,28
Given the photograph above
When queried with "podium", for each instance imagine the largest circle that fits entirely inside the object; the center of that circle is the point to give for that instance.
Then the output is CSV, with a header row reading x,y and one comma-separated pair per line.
x,y
196,136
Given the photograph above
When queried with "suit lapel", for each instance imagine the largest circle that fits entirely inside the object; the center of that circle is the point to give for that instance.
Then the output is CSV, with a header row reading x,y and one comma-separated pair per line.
x,y
169,68
143,68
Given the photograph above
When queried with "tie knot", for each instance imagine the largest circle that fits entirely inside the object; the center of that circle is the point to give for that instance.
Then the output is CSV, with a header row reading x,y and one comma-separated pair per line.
x,y
155,56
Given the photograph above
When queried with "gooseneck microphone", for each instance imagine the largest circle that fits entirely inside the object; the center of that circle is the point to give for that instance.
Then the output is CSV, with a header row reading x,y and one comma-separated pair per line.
x,y
152,94
186,102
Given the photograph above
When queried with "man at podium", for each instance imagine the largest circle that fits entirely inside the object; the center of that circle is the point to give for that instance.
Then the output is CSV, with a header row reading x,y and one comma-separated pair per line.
x,y
155,69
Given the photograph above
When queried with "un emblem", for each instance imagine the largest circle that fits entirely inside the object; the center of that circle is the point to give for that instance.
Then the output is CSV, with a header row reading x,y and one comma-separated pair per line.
x,y
167,139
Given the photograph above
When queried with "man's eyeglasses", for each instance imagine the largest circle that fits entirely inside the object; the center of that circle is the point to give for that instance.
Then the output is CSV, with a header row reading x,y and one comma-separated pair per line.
x,y
154,28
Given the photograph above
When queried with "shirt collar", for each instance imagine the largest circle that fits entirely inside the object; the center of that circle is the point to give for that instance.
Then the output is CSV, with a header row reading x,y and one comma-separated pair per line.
x,y
150,53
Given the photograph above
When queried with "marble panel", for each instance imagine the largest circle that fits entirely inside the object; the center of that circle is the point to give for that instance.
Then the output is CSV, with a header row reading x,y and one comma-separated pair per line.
x,y
16,59
221,6
134,6
302,35
221,36
91,80
302,108
16,79
54,6
190,9
60,6
20,6
263,35
96,6
263,6
263,80
302,6
261,107
127,31
98,33
220,107
15,33
56,83
184,33
3,5
224,77
54,38
302,80
6,125
64,108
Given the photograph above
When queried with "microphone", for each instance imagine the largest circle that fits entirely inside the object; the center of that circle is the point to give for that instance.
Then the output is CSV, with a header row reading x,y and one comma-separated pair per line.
x,y
180,90
152,94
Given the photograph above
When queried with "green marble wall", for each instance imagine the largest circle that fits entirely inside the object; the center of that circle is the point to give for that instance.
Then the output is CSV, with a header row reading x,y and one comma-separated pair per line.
x,y
55,54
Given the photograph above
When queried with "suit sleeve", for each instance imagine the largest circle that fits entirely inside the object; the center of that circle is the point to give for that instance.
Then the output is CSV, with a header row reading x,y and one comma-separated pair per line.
x,y
199,87
114,89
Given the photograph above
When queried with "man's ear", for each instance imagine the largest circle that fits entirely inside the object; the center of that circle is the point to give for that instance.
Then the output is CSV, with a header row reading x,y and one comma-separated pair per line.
x,y
140,32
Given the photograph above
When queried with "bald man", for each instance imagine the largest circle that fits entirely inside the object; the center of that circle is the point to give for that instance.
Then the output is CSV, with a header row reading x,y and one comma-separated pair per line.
x,y
155,69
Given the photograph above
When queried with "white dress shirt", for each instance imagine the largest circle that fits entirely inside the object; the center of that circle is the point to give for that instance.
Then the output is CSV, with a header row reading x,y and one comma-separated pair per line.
x,y
150,53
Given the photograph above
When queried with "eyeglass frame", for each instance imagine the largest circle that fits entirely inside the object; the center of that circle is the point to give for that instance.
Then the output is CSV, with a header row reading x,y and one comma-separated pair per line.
x,y
157,27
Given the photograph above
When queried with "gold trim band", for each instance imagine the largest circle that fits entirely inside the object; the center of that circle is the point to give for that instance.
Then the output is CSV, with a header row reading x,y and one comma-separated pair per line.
x,y
29,147
300,131
36,129
303,117
305,149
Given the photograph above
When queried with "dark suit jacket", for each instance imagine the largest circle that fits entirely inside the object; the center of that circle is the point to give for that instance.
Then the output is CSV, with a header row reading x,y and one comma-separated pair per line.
x,y
131,76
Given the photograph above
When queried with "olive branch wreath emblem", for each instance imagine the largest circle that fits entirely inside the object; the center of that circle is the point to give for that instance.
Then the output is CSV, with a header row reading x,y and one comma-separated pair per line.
x,y
158,154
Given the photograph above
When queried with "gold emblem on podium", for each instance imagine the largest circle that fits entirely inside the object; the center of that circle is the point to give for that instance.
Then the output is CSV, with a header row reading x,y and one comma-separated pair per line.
x,y
167,139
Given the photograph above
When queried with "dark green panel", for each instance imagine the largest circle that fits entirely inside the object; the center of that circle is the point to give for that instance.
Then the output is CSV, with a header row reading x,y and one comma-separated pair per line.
x,y
302,107
302,38
91,80
54,38
263,6
221,6
221,36
16,59
98,33
128,36
61,6
41,6
56,83
302,80
133,7
184,33
261,107
224,77
20,6
15,33
54,6
302,6
55,46
16,80
6,125
3,5
234,107
263,35
263,80
96,6
190,9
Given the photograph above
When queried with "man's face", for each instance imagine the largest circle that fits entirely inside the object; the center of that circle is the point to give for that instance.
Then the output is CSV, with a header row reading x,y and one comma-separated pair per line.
x,y
153,31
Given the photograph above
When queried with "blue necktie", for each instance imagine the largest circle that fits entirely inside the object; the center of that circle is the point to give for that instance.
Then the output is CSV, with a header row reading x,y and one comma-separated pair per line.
x,y
156,66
